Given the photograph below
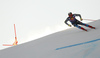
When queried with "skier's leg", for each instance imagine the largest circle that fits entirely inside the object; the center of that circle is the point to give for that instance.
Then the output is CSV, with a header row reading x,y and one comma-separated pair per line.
x,y
80,27
87,25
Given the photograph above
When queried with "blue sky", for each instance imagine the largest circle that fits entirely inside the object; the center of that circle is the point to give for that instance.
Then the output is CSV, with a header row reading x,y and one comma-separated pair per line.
x,y
37,18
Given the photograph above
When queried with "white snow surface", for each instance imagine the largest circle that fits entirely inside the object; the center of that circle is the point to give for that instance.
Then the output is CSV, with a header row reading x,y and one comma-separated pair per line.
x,y
45,47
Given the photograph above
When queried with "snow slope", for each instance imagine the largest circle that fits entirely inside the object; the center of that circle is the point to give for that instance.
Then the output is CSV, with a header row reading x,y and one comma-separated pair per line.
x,y
70,43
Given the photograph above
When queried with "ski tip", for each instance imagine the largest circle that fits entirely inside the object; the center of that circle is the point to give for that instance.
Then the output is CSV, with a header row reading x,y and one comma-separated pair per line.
x,y
93,28
85,30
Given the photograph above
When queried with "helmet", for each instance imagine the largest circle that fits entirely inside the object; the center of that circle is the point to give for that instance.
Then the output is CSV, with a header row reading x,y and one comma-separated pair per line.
x,y
70,14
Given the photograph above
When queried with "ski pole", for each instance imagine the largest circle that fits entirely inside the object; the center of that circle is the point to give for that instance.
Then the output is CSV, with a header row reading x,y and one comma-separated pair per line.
x,y
89,19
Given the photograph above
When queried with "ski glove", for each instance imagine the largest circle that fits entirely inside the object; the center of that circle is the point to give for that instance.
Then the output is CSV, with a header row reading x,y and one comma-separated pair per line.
x,y
69,25
81,19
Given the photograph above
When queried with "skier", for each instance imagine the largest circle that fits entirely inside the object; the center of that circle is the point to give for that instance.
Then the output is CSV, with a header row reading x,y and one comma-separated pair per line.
x,y
76,22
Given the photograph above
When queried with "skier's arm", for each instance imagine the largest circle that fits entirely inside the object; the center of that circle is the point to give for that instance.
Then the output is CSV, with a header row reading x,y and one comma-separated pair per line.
x,y
79,16
66,22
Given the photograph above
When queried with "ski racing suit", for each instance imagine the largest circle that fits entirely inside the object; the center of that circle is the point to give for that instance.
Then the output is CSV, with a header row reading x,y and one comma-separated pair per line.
x,y
75,22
